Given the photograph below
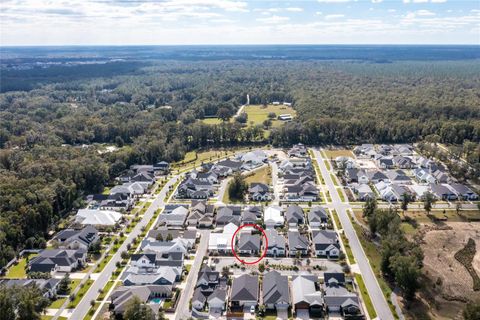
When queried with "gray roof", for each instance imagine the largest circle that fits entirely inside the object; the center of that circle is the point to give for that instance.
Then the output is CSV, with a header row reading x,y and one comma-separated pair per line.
x,y
245,288
275,239
297,240
294,213
249,242
303,290
275,288
317,213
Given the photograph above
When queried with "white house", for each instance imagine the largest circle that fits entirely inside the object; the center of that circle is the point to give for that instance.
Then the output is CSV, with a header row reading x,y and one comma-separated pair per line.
x,y
273,217
222,242
97,217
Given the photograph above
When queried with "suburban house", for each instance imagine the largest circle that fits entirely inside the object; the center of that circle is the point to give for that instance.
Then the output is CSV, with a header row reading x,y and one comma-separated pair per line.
x,y
391,192
385,163
275,291
273,217
48,287
365,150
228,214
230,165
344,162
121,297
276,243
442,192
201,214
97,218
376,176
248,243
254,158
244,292
222,241
174,216
297,243
161,167
338,299
77,239
326,244
163,276
192,188
363,191
302,192
210,289
249,217
402,162
306,294
298,150
398,177
423,175
259,192
294,215
463,192
62,260
210,177
317,217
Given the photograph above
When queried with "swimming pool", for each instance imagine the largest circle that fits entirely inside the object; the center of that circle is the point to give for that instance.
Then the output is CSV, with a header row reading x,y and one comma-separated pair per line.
x,y
156,300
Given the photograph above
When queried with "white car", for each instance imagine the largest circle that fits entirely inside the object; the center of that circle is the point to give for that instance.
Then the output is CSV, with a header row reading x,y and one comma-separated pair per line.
x,y
252,309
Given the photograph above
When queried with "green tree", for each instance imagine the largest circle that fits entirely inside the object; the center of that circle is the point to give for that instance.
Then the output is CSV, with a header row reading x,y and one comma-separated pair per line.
x,y
237,187
369,207
7,304
407,274
136,310
428,202
64,285
406,199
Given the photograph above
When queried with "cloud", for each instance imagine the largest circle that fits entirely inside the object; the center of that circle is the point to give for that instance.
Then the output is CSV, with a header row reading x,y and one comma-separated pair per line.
x,y
334,16
333,1
377,1
392,10
319,13
424,1
294,9
273,19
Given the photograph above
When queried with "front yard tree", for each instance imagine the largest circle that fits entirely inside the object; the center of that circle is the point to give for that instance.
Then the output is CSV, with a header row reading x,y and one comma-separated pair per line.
x,y
428,202
369,207
64,285
238,187
406,199
136,310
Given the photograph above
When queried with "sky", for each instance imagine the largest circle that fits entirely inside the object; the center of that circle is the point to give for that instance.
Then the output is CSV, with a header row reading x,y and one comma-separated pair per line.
x,y
170,22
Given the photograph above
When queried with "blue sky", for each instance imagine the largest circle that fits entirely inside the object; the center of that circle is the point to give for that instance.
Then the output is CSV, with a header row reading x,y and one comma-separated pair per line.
x,y
118,22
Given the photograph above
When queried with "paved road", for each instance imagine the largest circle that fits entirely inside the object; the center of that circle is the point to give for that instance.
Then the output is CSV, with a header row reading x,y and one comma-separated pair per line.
x,y
82,308
187,292
276,186
376,295
223,188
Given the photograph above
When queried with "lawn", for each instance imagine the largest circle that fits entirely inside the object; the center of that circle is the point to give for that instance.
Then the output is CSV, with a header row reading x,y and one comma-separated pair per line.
x,y
91,312
332,154
340,194
103,263
57,304
258,113
45,317
212,121
18,271
80,294
334,179
327,164
105,290
263,175
366,297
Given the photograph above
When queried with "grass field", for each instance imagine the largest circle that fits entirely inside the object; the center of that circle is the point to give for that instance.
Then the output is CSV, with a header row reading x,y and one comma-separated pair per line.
x,y
365,296
212,121
263,175
257,114
327,164
332,154
18,271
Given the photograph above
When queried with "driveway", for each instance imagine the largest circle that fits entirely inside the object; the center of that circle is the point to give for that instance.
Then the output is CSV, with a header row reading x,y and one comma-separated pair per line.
x,y
282,314
376,295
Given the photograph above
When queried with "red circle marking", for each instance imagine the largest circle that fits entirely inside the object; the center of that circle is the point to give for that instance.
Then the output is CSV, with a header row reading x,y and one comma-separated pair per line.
x,y
255,226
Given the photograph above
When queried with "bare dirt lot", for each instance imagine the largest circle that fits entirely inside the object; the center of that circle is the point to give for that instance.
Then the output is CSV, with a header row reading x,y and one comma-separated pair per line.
x,y
450,283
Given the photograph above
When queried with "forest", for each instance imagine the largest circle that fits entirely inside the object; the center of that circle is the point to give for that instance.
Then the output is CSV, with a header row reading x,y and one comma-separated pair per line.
x,y
55,120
